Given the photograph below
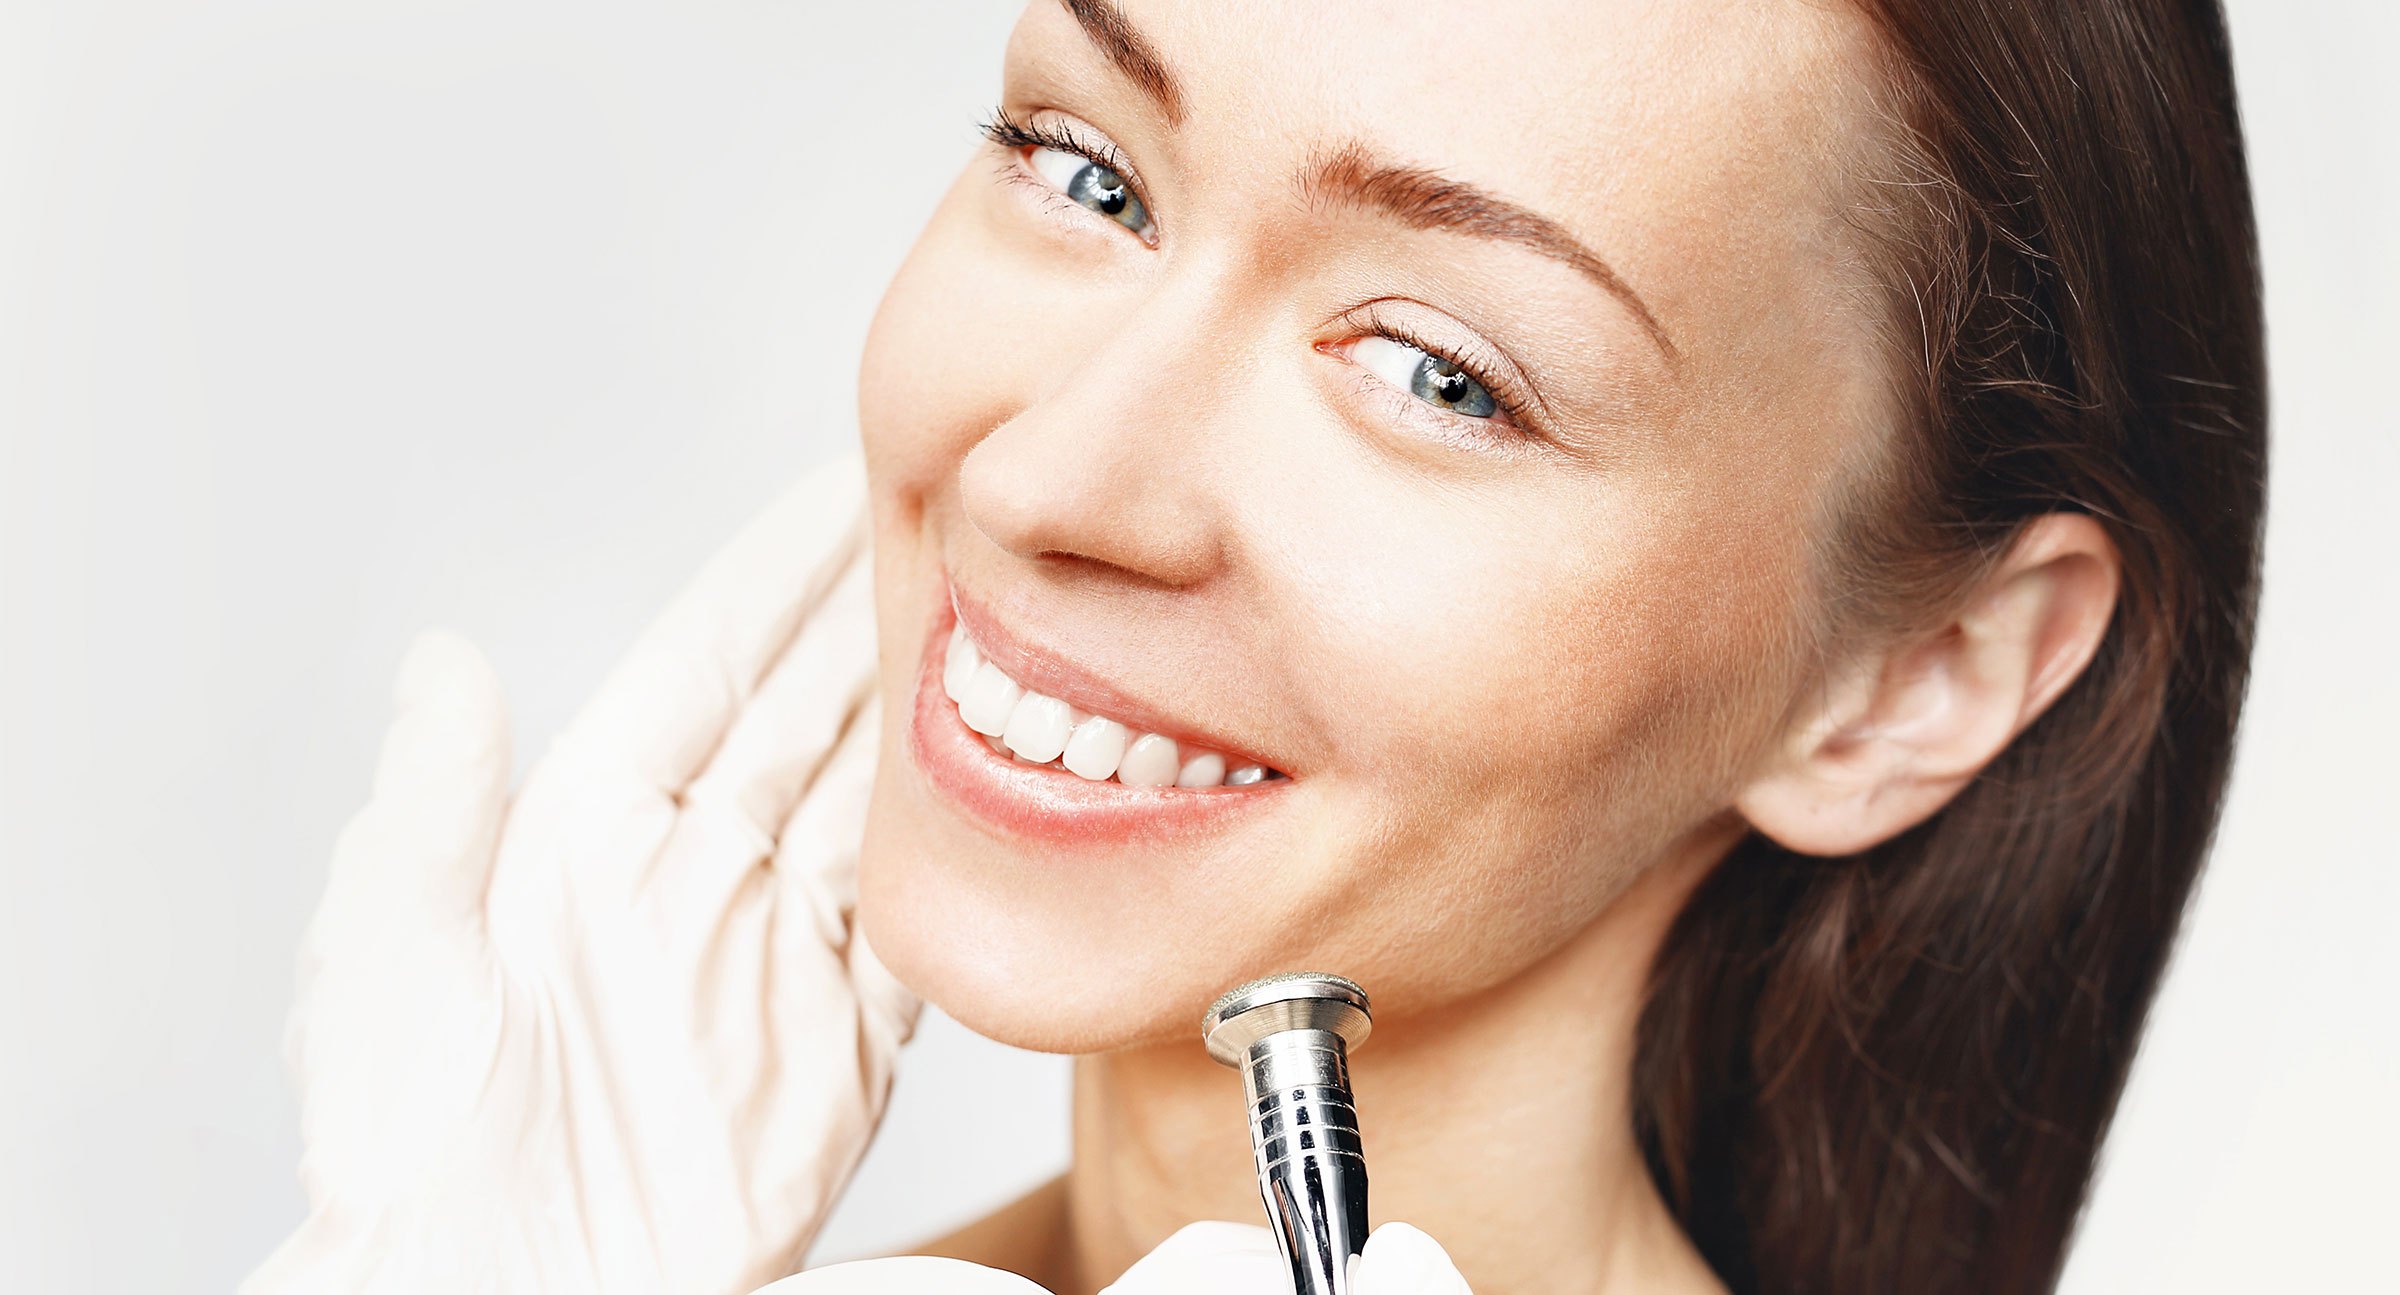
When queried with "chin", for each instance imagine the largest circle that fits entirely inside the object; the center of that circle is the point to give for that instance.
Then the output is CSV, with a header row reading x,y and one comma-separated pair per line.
x,y
1045,981
1059,908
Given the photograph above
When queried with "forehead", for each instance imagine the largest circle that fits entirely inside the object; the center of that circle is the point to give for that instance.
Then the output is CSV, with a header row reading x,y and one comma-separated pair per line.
x,y
1670,134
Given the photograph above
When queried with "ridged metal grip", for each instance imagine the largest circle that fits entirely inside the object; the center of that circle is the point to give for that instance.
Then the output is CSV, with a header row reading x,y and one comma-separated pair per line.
x,y
1290,1036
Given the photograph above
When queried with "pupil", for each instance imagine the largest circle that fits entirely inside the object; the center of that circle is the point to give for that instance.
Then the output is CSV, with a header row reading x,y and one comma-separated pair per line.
x,y
1103,188
1448,381
1438,381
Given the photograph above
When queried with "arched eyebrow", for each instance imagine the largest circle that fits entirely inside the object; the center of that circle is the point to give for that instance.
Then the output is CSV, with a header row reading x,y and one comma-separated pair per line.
x,y
1353,175
1125,46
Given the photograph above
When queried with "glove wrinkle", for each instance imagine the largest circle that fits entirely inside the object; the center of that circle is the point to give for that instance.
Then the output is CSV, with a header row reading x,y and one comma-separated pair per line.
x,y
613,1032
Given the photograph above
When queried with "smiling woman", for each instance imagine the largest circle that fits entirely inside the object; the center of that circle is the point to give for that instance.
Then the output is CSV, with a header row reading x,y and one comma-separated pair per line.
x,y
1688,500
1702,552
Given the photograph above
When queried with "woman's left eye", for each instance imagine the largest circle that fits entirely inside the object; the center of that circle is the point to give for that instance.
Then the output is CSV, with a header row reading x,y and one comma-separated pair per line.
x,y
1091,184
1430,378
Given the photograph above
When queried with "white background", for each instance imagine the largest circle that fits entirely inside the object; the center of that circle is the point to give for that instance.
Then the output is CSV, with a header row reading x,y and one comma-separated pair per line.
x,y
322,322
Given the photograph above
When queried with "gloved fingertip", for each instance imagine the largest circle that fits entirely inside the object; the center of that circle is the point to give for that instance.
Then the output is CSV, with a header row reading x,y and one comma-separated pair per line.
x,y
903,1275
1208,1256
1402,1260
449,735
440,662
1221,1236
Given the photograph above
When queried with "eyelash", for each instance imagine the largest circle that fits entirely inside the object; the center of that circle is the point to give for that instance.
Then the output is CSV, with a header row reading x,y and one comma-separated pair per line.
x,y
1010,132
1013,133
1505,395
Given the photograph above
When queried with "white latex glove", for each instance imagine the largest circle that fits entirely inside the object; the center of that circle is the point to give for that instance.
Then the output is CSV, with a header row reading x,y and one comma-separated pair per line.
x,y
615,1034
904,1275
1208,1258
1242,1259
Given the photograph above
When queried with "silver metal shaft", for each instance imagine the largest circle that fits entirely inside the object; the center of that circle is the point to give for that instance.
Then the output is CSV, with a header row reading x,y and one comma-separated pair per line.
x,y
1291,1036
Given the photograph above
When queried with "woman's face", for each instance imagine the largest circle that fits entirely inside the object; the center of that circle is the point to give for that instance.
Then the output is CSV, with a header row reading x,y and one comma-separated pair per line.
x,y
1437,412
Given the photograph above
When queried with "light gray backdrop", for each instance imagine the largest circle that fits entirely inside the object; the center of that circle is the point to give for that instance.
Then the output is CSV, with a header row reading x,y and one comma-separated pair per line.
x,y
322,322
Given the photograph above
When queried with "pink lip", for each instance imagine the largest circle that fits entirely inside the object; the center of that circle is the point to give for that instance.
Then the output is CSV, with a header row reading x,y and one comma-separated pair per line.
x,y
1042,803
1054,677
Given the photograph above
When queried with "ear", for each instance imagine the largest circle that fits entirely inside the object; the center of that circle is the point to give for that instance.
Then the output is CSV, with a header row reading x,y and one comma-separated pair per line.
x,y
1897,733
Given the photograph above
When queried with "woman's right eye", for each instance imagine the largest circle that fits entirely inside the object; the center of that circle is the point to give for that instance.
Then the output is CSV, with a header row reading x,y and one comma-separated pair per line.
x,y
1092,185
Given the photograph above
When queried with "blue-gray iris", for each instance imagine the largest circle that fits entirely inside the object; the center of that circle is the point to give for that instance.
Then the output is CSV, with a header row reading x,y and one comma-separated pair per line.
x,y
1447,385
1104,191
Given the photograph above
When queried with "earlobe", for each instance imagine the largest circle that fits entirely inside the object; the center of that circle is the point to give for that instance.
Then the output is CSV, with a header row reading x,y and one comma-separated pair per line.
x,y
1898,732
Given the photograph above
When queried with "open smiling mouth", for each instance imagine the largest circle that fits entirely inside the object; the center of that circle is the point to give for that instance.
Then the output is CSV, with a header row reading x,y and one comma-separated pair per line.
x,y
1040,730
1031,745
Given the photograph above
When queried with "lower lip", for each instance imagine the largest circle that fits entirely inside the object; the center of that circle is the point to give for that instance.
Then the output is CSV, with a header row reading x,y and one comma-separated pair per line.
x,y
1051,805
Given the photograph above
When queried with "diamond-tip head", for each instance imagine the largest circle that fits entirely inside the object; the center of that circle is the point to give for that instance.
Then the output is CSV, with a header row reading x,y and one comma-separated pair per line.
x,y
1293,1000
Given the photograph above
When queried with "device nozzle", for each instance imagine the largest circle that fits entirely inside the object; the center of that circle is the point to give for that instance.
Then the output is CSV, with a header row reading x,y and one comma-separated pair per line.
x,y
1290,1036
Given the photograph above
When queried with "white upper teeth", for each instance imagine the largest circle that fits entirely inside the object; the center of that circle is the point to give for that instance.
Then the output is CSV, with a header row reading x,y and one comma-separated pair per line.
x,y
1096,747
1040,730
991,698
1037,728
1150,762
1206,769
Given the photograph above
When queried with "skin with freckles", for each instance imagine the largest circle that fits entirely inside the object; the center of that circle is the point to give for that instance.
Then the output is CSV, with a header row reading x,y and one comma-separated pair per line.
x,y
1530,671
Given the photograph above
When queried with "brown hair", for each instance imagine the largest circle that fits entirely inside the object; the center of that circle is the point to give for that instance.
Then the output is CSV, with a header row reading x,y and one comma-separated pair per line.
x,y
1891,1072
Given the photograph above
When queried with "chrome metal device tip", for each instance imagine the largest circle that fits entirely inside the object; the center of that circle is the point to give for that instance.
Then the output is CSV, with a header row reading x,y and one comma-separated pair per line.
x,y
1290,1036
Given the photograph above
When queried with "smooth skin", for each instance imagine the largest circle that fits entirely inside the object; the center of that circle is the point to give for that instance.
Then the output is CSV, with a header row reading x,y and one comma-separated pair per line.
x,y
1533,675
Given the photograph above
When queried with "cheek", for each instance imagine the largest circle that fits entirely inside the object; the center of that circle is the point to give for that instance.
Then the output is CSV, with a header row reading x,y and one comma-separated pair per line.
x,y
1545,638
916,392
1555,710
979,324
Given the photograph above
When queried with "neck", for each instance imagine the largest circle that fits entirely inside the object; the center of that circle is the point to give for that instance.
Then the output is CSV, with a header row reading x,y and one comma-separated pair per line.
x,y
1539,1187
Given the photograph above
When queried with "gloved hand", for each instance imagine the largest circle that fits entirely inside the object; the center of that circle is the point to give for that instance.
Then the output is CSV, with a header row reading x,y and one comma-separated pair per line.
x,y
1209,1258
1215,1258
615,1034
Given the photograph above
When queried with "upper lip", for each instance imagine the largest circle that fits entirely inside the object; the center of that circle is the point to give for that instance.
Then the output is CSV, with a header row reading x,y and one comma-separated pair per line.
x,y
1047,672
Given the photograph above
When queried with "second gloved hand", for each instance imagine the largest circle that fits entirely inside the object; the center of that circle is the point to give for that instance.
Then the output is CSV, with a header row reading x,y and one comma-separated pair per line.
x,y
1214,1258
1208,1258
616,1033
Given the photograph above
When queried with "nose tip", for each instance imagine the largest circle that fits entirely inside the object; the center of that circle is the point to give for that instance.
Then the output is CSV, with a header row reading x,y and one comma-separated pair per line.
x,y
1132,440
1055,484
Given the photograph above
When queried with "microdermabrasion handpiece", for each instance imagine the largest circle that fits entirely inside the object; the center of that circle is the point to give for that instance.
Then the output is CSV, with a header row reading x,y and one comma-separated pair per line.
x,y
1291,1036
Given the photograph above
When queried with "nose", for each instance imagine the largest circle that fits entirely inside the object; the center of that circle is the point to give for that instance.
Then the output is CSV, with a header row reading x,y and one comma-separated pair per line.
x,y
1119,464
